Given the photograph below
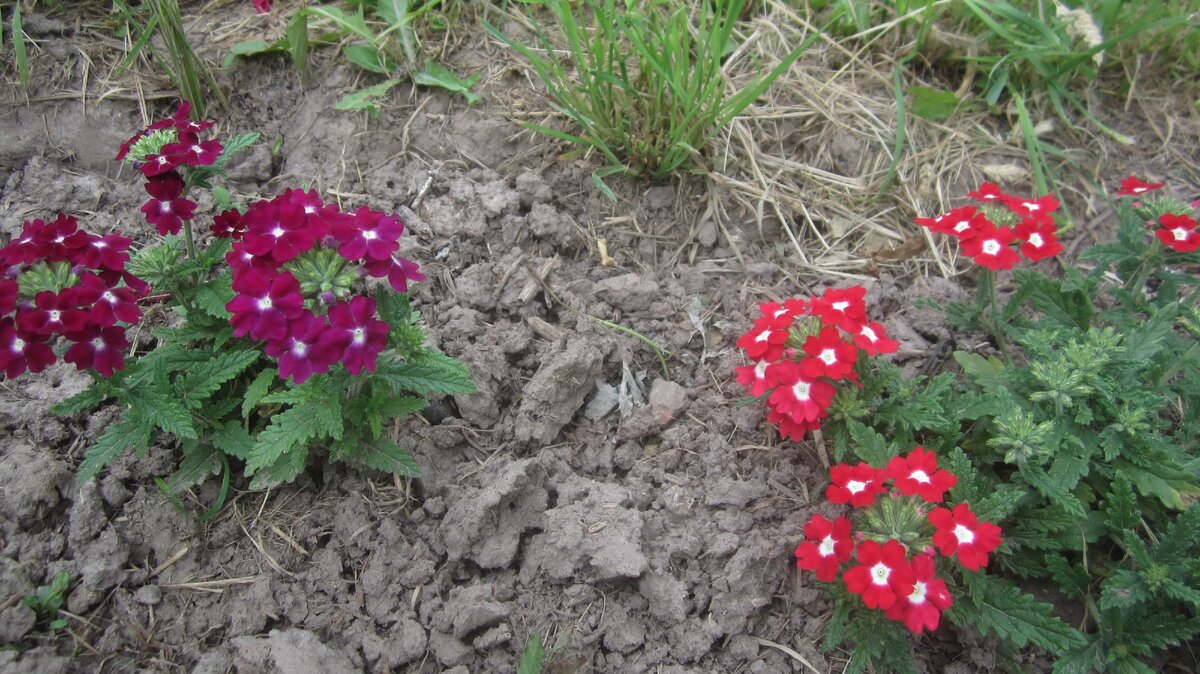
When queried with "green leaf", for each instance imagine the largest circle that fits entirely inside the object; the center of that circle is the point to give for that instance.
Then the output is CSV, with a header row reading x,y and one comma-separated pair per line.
x,y
233,440
162,408
84,400
384,455
297,41
531,657
932,104
352,23
249,48
986,372
1121,590
1120,506
995,605
213,296
205,379
365,57
292,430
133,431
257,390
436,75
285,469
197,465
427,372
365,99
870,445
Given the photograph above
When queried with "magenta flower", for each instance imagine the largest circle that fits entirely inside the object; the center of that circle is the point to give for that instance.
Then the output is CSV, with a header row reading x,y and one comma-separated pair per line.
x,y
100,252
397,270
8,296
52,313
279,229
264,304
20,352
99,349
50,240
108,305
306,350
229,225
263,6
364,336
167,210
368,234
158,164
194,152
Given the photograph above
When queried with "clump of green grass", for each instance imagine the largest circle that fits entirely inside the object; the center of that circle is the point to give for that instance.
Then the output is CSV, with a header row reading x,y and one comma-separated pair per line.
x,y
186,70
643,82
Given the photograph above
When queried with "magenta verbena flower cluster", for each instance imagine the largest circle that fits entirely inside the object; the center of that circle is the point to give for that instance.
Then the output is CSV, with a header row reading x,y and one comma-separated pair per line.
x,y
295,263
57,280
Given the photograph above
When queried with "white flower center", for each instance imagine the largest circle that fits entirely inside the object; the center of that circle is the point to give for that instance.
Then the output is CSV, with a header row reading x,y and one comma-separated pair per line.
x,y
164,206
918,594
779,313
760,370
98,344
277,232
991,247
1179,233
1037,240
963,534
1031,205
962,226
163,159
763,336
840,306
55,314
60,238
18,345
310,209
299,349
800,390
920,476
196,149
264,303
109,297
880,573
1139,190
370,235
869,334
359,335
828,356
99,243
826,546
855,486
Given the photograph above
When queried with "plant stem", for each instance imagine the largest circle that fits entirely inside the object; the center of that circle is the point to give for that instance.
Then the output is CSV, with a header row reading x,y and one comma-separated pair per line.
x,y
992,320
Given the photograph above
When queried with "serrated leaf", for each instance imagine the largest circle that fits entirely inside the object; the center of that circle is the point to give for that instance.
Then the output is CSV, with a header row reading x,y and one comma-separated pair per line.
x,y
994,605
365,57
289,431
195,467
437,75
1120,505
985,372
932,104
84,400
365,99
231,147
384,455
205,379
1000,503
132,431
1073,580
213,296
1122,589
233,440
162,409
285,469
427,372
1161,630
257,390
869,445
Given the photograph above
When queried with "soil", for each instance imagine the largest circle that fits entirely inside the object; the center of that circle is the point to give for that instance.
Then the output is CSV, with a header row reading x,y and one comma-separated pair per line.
x,y
640,520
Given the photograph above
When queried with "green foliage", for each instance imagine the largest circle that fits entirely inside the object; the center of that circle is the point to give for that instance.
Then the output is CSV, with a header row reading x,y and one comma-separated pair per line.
x,y
47,599
379,36
531,657
1078,438
645,87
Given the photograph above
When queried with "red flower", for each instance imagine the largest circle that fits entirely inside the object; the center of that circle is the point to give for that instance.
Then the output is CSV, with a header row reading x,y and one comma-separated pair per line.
x,y
1039,210
1132,186
790,427
167,211
989,192
842,307
368,234
828,545
920,604
99,349
108,305
800,397
962,533
918,474
364,336
228,224
20,351
782,316
763,342
52,313
263,6
264,304
50,240
1041,240
754,377
9,290
101,252
157,164
829,355
308,349
856,485
279,229
962,223
989,248
398,272
882,575
1178,232
872,337
194,152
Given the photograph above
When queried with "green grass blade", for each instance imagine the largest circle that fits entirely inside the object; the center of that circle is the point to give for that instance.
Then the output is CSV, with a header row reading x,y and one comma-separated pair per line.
x,y
297,41
18,40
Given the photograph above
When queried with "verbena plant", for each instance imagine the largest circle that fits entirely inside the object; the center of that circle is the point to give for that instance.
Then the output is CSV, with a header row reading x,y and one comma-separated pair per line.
x,y
643,82
1078,437
284,336
380,37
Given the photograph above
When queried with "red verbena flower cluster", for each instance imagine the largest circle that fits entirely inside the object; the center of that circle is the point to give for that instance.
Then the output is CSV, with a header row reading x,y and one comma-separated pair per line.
x,y
801,348
988,232
263,6
59,280
1177,231
894,539
161,151
294,261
